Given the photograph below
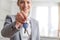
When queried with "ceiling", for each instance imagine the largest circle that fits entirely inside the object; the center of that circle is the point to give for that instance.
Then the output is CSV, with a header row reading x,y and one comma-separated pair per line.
x,y
43,0
47,0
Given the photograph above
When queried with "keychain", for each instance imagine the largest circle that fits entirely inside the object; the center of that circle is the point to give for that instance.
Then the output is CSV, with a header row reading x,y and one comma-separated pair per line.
x,y
25,25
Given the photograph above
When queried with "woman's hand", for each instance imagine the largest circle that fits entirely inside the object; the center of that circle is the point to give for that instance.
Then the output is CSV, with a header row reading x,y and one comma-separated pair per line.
x,y
20,19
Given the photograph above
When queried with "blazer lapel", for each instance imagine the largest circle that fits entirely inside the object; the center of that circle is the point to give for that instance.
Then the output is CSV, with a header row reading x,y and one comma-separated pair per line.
x,y
32,30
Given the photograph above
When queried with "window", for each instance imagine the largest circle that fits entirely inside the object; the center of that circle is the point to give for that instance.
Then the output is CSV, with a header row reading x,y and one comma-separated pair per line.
x,y
42,17
48,20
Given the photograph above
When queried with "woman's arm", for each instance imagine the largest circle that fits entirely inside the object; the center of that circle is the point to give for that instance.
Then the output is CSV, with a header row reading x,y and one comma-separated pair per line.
x,y
9,27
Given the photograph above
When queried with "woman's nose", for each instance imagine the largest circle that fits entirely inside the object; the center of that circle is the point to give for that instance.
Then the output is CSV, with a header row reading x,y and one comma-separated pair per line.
x,y
25,5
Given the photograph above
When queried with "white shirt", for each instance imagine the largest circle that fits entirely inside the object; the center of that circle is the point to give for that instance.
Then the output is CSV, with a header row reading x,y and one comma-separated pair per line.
x,y
25,36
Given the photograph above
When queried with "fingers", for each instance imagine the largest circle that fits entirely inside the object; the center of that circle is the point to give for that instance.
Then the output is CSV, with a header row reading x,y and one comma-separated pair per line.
x,y
18,25
24,14
20,18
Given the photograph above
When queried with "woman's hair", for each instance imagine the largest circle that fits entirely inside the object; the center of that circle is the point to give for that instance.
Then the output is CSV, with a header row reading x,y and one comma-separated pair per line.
x,y
18,0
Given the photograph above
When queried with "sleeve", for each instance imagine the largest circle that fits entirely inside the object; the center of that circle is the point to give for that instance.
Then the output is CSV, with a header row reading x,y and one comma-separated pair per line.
x,y
9,28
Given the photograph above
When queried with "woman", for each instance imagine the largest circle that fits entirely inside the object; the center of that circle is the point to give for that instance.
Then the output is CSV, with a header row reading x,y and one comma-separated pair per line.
x,y
21,26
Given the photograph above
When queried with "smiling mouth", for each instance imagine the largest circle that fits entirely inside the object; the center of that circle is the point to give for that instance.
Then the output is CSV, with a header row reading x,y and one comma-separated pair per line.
x,y
25,9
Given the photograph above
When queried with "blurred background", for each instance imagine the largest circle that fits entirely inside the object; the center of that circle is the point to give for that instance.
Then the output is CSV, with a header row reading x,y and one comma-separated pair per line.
x,y
47,12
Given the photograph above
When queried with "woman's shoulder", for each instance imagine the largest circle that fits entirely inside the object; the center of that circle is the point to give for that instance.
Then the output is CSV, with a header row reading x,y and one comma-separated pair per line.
x,y
11,17
34,20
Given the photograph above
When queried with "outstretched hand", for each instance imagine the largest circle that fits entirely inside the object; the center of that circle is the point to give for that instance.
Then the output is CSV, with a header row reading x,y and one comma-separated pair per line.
x,y
20,19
